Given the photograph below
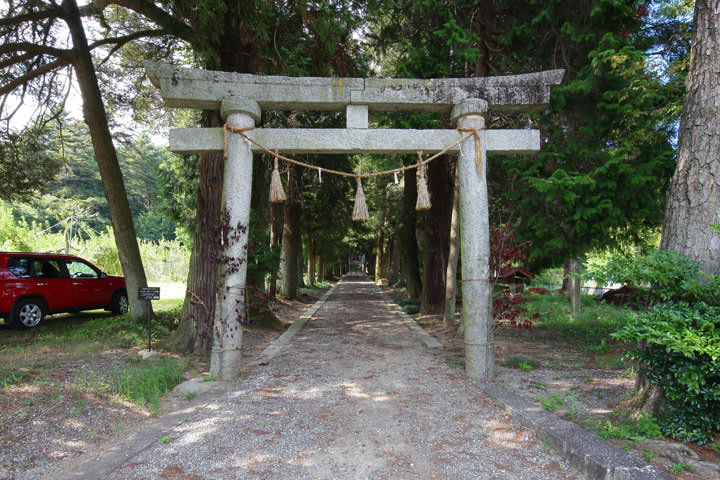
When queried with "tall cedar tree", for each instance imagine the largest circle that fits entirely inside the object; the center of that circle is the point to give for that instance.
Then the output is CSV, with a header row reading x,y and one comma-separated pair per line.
x,y
693,205
292,38
607,155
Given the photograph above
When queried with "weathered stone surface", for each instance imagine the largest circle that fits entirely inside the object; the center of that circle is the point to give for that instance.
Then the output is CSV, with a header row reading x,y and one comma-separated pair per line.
x,y
475,245
192,88
225,356
196,387
240,105
680,453
148,354
593,456
349,141
357,116
468,106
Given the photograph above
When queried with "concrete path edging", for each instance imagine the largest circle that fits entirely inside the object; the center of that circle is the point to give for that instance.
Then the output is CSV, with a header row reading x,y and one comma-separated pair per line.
x,y
276,347
429,341
588,453
591,455
120,453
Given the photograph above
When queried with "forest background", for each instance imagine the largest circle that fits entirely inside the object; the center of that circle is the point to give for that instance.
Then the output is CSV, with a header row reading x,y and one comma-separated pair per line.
x,y
597,184
610,137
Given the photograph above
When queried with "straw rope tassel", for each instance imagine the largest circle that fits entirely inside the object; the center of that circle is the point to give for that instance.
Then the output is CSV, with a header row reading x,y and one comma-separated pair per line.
x,y
476,133
423,195
277,194
360,211
478,152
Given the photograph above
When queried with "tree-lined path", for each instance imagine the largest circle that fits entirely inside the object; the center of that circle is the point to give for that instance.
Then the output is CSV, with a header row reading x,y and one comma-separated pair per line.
x,y
354,395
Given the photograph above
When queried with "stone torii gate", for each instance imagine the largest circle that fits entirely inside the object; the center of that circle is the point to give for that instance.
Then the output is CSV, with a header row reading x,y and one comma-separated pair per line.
x,y
241,98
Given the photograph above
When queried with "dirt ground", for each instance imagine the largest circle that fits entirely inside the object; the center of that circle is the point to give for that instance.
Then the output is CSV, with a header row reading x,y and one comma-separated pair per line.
x,y
571,380
56,417
65,413
354,395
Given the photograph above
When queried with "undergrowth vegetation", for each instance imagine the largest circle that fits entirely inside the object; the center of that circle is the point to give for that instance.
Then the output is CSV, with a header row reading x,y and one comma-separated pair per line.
x,y
625,428
164,260
676,337
145,382
593,326
40,357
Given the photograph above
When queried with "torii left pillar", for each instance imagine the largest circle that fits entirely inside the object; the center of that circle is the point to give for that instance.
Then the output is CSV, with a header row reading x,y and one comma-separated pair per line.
x,y
230,311
475,241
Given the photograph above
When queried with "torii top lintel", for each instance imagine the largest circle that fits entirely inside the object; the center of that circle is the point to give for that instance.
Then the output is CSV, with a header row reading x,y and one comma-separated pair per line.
x,y
205,89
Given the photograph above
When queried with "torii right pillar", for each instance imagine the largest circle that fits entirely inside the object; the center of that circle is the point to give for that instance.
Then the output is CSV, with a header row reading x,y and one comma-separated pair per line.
x,y
475,241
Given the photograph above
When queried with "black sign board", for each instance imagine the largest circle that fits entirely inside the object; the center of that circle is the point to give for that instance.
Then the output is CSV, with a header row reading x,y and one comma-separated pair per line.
x,y
149,293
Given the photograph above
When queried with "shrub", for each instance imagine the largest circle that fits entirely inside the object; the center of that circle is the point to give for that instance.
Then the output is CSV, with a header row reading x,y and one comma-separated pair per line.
x,y
506,261
660,276
677,337
679,352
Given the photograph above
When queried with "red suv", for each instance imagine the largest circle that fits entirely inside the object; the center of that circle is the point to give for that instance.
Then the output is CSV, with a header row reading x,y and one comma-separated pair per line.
x,y
33,285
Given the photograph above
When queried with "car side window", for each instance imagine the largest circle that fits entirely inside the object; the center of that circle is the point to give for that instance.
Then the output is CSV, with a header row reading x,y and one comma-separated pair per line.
x,y
19,266
81,270
47,268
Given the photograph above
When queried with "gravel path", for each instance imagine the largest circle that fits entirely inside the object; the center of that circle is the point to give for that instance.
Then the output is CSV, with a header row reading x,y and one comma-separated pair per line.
x,y
354,395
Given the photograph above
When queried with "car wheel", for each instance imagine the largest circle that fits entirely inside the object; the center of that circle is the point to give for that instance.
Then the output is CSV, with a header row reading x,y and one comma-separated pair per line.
x,y
119,304
28,313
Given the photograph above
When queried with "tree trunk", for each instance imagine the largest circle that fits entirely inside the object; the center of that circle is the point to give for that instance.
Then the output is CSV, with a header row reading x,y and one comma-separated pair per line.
x,y
311,261
437,236
693,201
393,265
379,257
276,226
566,276
106,157
574,286
647,398
453,257
408,239
195,331
300,261
291,232
323,269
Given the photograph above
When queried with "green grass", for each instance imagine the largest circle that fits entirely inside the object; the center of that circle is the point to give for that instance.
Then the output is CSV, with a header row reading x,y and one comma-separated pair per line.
x,y
679,467
522,362
318,287
613,362
29,357
592,326
92,331
147,381
629,429
411,306
167,304
10,376
552,403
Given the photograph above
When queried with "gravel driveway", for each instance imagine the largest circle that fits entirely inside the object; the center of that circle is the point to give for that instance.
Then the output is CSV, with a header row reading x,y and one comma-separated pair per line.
x,y
354,395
